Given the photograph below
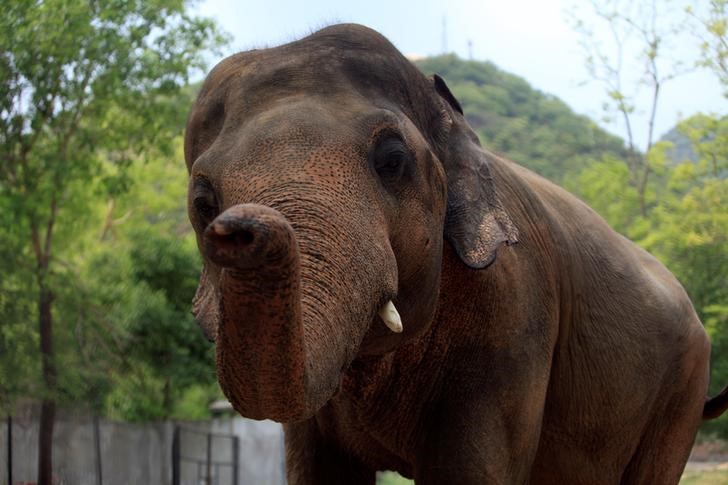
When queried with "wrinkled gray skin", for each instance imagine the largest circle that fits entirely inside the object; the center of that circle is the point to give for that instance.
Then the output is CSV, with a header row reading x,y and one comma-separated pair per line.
x,y
327,177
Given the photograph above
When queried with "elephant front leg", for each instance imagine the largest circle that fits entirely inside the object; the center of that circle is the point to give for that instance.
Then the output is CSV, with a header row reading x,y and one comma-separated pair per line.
x,y
485,430
314,459
476,448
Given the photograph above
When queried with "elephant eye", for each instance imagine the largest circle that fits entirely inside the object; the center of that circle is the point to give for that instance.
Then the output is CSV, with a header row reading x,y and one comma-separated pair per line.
x,y
390,158
205,202
206,209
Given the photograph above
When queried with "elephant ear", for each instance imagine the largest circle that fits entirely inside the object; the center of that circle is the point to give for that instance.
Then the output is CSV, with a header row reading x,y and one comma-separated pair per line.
x,y
476,223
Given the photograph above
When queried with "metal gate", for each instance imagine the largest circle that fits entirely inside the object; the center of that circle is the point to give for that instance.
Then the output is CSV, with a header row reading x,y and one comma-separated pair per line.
x,y
201,458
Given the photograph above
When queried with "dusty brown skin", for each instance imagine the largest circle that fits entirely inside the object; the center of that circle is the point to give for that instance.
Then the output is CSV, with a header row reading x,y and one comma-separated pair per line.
x,y
327,177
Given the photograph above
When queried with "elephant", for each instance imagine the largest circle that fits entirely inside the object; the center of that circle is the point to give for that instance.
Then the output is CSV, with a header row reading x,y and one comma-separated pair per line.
x,y
401,298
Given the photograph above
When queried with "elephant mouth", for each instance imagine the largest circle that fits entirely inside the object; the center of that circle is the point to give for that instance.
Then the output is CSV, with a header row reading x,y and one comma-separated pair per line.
x,y
206,306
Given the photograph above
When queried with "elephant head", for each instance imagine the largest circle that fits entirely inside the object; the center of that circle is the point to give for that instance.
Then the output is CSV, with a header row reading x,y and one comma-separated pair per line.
x,y
324,175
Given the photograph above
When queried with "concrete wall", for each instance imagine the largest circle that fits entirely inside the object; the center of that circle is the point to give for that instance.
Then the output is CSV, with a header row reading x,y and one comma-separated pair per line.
x,y
142,453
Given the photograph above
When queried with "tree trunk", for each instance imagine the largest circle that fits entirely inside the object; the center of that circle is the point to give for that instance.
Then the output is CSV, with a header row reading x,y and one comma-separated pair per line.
x,y
167,402
48,405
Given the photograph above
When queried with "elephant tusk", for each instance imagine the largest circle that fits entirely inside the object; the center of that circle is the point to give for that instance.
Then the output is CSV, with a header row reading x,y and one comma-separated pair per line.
x,y
390,316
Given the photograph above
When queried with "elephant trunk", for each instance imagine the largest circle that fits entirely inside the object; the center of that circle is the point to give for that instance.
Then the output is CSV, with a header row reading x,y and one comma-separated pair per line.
x,y
265,365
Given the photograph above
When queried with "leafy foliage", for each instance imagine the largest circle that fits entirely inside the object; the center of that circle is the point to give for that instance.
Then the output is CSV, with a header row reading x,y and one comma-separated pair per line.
x,y
713,34
149,252
163,337
86,89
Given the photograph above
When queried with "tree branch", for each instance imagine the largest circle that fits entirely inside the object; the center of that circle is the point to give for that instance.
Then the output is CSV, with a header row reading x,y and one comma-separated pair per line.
x,y
80,105
35,241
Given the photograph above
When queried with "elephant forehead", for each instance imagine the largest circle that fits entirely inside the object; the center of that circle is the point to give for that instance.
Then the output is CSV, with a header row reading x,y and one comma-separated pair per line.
x,y
297,154
302,131
294,160
299,138
291,129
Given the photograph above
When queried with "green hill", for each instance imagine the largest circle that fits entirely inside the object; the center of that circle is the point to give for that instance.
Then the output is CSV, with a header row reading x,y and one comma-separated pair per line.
x,y
532,128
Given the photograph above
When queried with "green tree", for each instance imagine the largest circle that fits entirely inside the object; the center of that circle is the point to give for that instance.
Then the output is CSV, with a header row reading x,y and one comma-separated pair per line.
x,y
84,87
712,32
140,276
164,351
639,57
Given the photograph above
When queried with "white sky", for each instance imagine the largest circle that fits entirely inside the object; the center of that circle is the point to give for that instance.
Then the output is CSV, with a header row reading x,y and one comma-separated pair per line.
x,y
529,38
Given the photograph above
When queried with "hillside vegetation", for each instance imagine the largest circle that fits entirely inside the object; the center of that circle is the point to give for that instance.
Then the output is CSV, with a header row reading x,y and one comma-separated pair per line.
x,y
512,118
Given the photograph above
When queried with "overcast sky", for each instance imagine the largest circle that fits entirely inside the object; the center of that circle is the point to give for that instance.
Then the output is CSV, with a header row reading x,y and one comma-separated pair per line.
x,y
529,38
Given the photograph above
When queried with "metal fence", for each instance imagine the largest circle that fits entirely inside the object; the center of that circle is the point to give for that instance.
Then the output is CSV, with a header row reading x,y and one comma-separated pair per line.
x,y
89,451
200,458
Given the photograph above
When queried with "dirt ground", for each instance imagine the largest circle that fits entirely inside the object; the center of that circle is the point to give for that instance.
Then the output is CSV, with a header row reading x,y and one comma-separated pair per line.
x,y
709,456
709,450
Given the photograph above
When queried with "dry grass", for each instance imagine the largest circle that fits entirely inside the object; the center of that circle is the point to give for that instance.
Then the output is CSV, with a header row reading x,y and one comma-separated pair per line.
x,y
705,477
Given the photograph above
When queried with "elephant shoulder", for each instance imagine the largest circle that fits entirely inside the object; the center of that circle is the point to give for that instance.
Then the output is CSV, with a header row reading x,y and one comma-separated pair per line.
x,y
605,268
538,205
666,293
